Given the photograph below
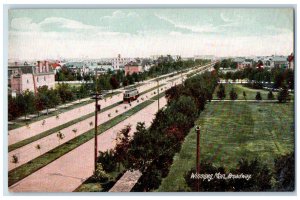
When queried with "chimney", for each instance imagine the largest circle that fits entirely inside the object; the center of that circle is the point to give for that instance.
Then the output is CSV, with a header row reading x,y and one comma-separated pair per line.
x,y
47,66
39,63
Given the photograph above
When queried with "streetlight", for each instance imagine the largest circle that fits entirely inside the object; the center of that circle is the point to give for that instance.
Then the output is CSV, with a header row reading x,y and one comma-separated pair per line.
x,y
96,96
198,154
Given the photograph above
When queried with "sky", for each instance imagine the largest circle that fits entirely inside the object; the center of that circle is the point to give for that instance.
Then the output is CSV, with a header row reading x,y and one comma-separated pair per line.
x,y
104,33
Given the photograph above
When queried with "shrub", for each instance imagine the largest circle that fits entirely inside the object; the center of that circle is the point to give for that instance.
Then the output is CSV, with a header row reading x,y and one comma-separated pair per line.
x,y
270,95
100,175
233,95
258,96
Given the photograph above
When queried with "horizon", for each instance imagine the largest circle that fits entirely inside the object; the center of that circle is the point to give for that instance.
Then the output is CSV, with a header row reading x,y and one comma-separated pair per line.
x,y
84,33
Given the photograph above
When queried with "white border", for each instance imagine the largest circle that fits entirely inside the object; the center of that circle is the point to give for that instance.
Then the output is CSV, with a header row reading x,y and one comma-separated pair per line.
x,y
184,3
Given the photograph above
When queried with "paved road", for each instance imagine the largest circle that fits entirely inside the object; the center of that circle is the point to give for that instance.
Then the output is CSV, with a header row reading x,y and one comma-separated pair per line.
x,y
69,171
36,128
54,176
29,151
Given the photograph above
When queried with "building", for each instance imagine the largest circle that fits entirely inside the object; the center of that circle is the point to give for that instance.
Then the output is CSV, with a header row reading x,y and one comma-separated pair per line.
x,y
30,77
241,63
132,67
203,57
279,62
291,61
119,63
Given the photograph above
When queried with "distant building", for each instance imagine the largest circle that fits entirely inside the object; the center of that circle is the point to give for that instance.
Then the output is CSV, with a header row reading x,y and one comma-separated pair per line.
x,y
31,77
241,63
279,62
203,57
291,61
132,67
119,63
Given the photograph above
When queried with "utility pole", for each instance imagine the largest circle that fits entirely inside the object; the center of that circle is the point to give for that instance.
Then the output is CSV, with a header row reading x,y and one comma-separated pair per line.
x,y
96,96
198,155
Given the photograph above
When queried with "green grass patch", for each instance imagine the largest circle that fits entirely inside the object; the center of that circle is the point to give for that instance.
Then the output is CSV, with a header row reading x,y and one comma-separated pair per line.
x,y
92,186
25,170
239,88
231,131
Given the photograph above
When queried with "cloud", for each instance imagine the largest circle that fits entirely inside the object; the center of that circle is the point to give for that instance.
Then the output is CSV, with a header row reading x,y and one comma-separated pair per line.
x,y
225,18
207,28
66,23
24,24
50,23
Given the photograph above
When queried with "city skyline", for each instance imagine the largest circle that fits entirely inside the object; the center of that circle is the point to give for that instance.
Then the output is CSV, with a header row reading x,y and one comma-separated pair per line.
x,y
104,33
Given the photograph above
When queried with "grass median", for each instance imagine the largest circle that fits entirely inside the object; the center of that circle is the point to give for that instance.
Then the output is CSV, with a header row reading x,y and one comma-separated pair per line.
x,y
32,166
70,123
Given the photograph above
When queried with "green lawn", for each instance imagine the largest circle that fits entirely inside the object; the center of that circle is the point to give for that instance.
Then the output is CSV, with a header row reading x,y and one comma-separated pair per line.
x,y
234,130
250,93
92,186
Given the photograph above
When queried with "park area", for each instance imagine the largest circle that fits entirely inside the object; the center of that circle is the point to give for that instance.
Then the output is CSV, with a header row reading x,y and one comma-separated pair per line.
x,y
231,131
250,93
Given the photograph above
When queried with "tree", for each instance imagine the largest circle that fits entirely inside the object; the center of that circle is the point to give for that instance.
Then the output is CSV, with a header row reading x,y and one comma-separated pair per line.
x,y
135,77
28,104
233,95
285,172
270,95
65,92
245,95
60,136
283,95
114,82
99,174
122,145
38,147
221,92
13,109
217,66
74,131
258,96
108,160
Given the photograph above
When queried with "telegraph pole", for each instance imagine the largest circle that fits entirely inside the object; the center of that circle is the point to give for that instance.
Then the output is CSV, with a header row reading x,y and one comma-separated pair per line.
x,y
96,96
198,155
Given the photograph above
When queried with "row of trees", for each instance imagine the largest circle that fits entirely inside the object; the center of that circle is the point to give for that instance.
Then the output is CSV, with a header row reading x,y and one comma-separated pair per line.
x,y
152,150
282,97
282,178
46,98
278,76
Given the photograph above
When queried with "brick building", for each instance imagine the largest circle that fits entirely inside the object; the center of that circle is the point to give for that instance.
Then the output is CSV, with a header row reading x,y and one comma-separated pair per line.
x,y
31,77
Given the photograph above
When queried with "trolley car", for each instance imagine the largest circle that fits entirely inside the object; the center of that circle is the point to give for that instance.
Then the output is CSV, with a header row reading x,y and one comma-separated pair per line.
x,y
130,95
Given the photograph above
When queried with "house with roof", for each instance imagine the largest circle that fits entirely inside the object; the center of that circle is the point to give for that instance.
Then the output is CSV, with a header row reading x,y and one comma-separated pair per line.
x,y
30,77
241,63
279,62
132,67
